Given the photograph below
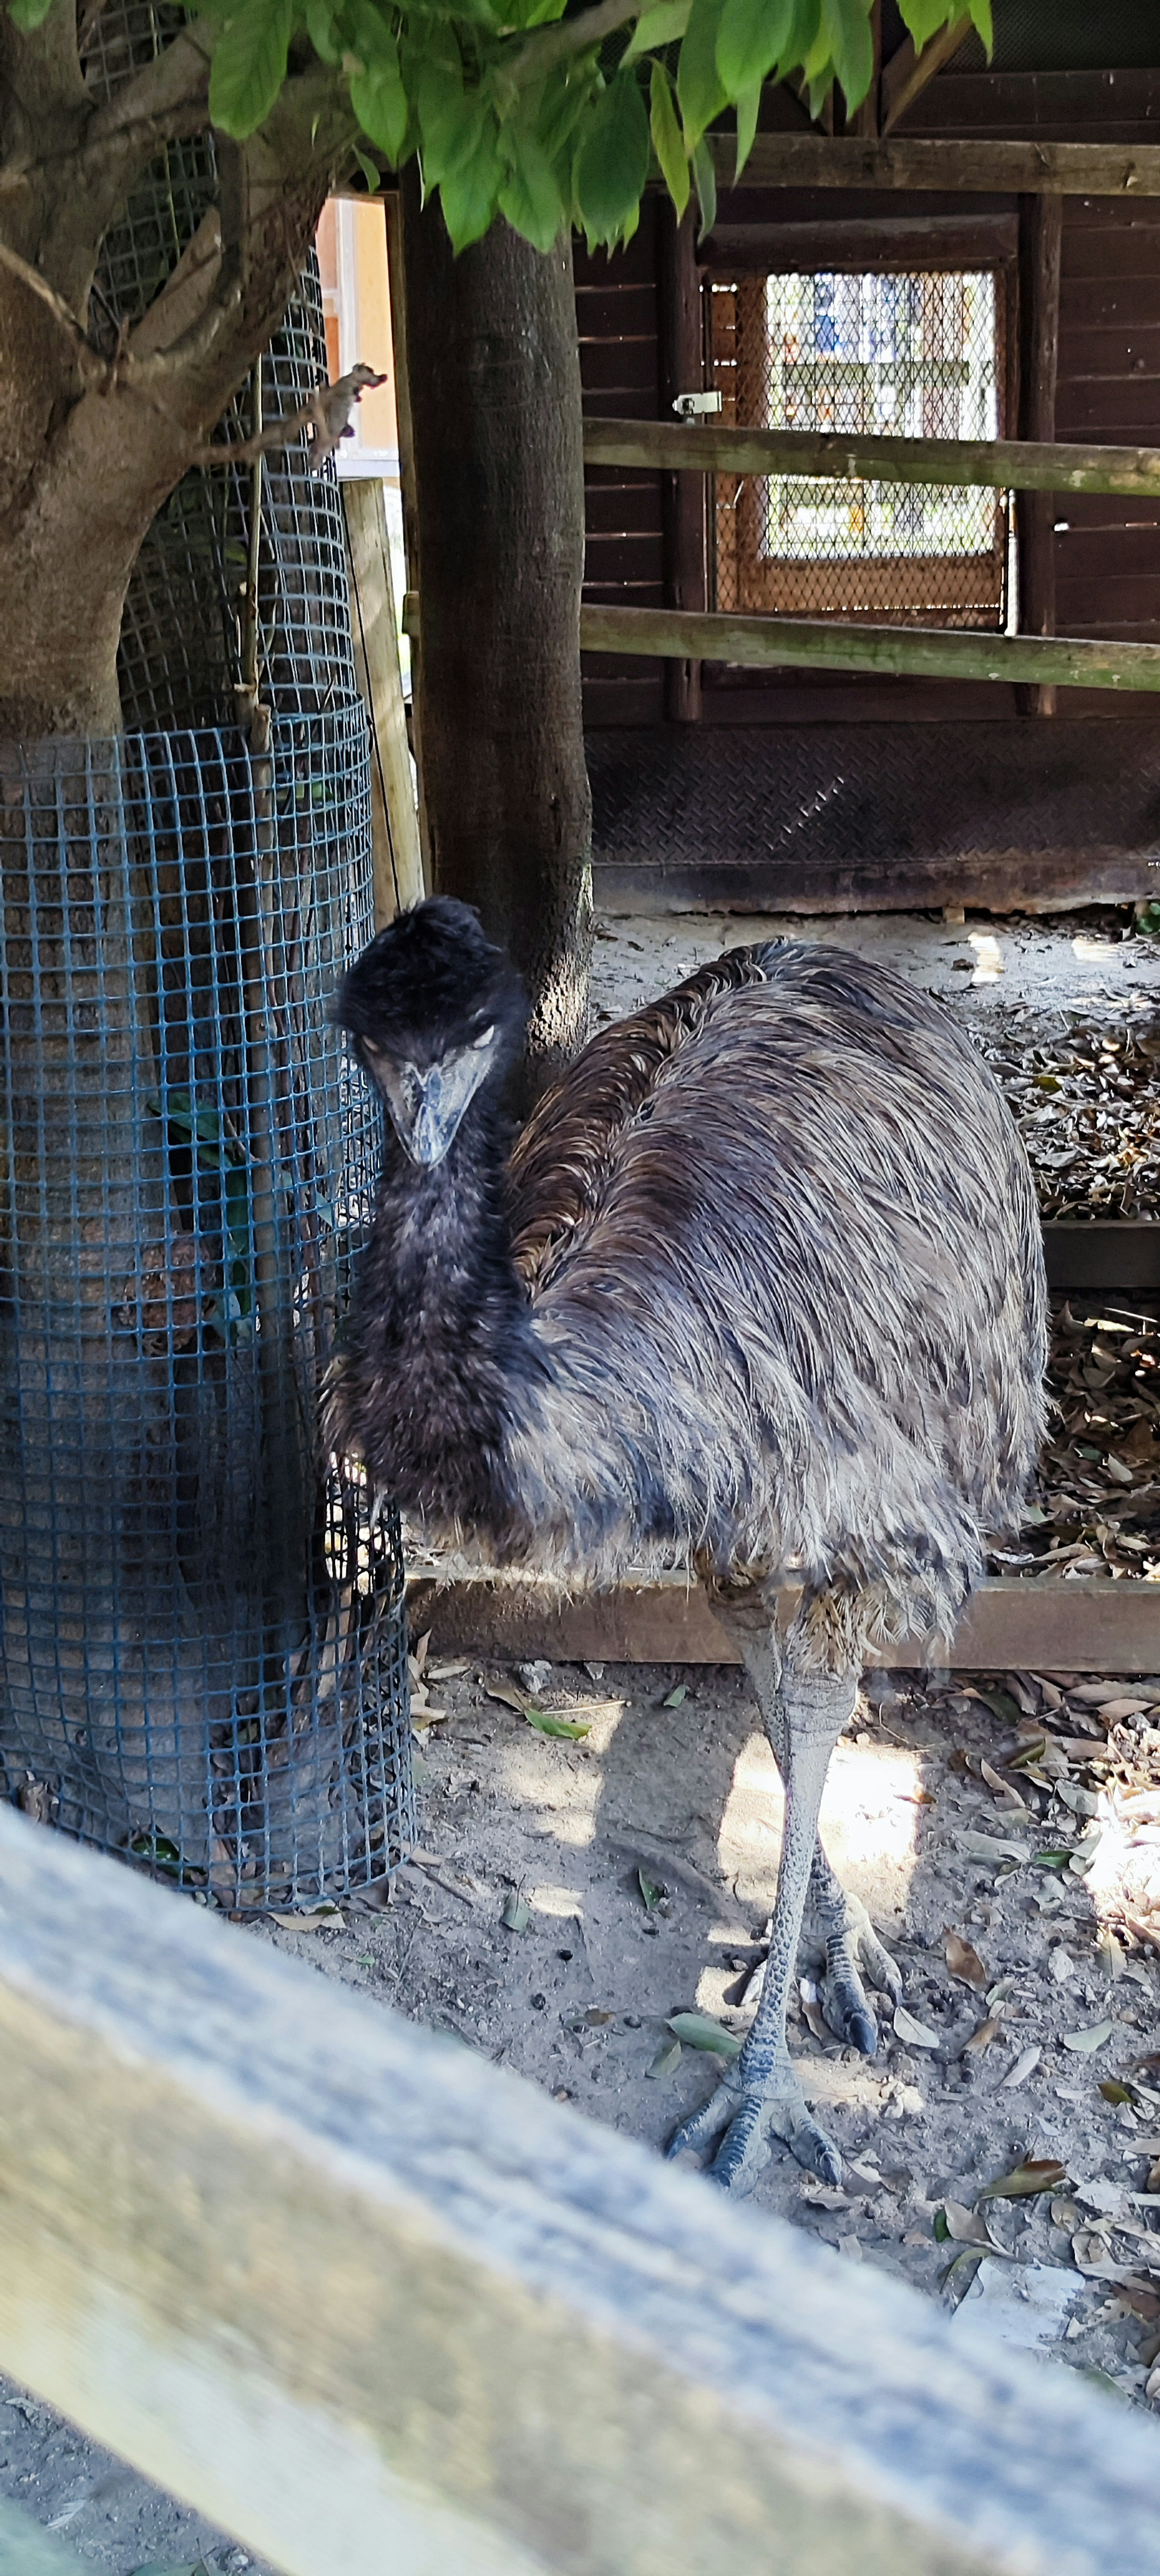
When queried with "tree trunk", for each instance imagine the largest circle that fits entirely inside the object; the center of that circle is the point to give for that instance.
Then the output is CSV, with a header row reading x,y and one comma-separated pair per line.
x,y
495,399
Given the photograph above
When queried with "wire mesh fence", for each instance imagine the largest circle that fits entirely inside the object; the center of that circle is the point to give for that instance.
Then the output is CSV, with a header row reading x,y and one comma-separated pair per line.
x,y
204,1649
870,354
202,1625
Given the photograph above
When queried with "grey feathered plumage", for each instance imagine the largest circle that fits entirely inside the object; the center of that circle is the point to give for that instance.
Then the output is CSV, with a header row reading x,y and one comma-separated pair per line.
x,y
760,1286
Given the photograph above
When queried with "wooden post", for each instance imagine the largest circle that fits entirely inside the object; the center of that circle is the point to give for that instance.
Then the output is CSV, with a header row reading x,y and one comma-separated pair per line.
x,y
683,496
1040,242
397,283
398,865
383,2310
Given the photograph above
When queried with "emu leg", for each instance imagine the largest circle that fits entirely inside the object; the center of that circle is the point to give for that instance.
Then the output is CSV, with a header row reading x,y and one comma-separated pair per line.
x,y
760,2098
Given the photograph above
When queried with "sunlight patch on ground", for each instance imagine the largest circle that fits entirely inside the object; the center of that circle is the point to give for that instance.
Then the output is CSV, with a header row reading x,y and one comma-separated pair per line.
x,y
869,1819
988,957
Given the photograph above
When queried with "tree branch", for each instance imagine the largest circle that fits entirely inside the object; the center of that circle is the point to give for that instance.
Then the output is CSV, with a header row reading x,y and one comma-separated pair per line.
x,y
92,365
176,79
541,52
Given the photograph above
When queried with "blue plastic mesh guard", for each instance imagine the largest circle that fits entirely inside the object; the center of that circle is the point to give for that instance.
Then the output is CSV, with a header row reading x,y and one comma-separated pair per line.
x,y
203,1635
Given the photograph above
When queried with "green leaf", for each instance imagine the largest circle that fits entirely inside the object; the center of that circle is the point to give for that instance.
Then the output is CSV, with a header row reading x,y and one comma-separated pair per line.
x,y
530,196
979,13
748,108
451,121
572,1727
676,1698
324,37
700,88
663,26
1037,2173
939,2229
379,101
517,1913
666,2061
612,161
668,141
851,45
923,18
750,40
654,1892
700,2031
470,194
372,176
28,14
249,66
706,178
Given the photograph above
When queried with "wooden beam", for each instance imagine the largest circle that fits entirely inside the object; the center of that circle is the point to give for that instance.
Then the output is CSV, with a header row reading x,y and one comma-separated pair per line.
x,y
683,498
1040,247
980,167
396,277
1043,1624
398,865
1002,464
908,72
376,2307
800,643
895,244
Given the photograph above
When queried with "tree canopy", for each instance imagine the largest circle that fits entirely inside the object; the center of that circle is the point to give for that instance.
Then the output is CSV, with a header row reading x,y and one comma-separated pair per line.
x,y
544,112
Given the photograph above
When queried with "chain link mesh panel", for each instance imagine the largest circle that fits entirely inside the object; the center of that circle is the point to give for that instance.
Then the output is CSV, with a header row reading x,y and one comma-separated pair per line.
x,y
203,1632
870,355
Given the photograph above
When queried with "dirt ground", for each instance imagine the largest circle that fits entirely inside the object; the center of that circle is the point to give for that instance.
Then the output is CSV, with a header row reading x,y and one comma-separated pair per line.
x,y
573,1892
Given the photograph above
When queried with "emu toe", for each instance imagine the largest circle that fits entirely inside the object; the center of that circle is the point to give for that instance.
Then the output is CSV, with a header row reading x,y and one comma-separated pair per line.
x,y
747,2118
850,1956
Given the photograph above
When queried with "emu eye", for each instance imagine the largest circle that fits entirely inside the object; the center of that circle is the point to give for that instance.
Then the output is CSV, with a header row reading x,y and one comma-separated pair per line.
x,y
485,1037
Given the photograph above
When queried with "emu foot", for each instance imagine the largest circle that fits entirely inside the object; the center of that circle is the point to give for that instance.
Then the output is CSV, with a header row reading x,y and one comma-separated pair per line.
x,y
747,2117
842,1947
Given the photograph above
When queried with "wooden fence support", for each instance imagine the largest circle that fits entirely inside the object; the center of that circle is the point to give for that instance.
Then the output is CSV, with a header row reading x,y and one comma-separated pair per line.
x,y
381,2310
683,495
977,168
1040,245
398,866
1003,464
812,644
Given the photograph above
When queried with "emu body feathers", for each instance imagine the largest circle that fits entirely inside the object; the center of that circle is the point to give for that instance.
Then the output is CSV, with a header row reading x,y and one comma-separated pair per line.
x,y
759,1289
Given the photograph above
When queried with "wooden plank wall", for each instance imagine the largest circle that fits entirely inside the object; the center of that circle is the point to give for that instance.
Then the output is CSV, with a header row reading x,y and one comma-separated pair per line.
x,y
1107,554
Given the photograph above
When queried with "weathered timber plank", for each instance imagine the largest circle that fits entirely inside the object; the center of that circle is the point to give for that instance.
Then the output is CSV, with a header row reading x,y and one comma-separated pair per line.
x,y
891,242
380,2308
1002,464
1040,240
398,863
1082,1626
980,167
813,644
1124,1253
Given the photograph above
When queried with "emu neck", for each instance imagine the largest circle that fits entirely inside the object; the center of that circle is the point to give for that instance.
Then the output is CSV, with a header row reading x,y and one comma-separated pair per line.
x,y
444,1329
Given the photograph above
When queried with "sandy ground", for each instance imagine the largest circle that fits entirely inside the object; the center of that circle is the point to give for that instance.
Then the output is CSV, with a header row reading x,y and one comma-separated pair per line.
x,y
673,1789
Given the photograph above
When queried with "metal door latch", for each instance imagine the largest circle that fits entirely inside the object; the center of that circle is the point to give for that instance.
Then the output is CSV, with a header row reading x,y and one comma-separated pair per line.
x,y
696,406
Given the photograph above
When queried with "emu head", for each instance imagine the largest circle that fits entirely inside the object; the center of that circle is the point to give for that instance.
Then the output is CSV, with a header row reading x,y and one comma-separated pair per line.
x,y
435,1013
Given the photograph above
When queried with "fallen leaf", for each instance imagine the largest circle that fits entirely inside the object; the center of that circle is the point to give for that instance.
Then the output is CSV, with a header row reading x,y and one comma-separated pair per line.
x,y
699,2031
913,2033
1057,1858
446,1672
966,2226
985,2032
986,1847
517,1913
1004,1790
322,1918
507,1697
1083,1802
546,1724
1085,2042
1002,1705
1023,2067
596,2017
1037,2173
965,1962
677,1697
1115,2092
666,2061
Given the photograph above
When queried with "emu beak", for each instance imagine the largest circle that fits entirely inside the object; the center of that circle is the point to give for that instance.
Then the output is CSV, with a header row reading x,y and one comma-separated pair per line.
x,y
427,1108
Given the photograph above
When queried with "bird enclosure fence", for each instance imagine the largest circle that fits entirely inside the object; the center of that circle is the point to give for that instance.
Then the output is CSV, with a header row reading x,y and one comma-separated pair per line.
x,y
202,1627
203,1635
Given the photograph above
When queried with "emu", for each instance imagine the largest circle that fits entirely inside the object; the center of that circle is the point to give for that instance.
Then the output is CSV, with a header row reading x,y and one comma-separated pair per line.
x,y
759,1290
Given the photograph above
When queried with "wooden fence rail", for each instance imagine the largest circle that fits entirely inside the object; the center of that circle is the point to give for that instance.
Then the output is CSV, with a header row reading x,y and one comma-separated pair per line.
x,y
381,2310
1003,464
977,167
1072,662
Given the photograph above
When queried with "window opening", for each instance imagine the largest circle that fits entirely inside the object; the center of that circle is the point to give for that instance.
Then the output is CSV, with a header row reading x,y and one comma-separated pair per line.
x,y
876,354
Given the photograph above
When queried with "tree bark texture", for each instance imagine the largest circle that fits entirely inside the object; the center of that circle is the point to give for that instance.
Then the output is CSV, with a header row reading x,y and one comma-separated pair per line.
x,y
495,403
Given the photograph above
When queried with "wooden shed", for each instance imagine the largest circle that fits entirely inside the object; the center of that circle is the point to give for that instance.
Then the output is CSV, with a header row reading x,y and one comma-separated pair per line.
x,y
977,311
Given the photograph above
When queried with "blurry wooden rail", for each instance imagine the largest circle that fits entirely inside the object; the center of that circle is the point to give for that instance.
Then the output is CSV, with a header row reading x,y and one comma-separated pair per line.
x,y
1003,464
381,2310
974,168
828,644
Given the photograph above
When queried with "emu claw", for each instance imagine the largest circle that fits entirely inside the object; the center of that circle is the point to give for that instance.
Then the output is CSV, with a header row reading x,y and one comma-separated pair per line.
x,y
841,1991
750,2118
